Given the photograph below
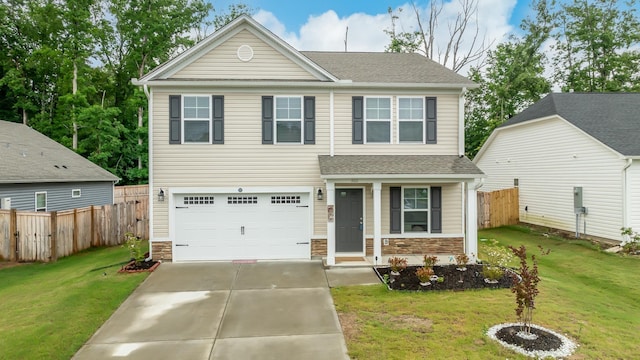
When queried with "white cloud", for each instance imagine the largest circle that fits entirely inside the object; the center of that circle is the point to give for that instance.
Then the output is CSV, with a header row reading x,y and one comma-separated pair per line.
x,y
326,32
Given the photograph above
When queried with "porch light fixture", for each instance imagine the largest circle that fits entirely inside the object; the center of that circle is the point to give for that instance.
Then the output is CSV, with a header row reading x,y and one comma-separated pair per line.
x,y
161,195
319,193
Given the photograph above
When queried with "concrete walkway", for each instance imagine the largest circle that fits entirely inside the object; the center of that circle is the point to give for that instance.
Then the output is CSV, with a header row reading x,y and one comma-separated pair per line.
x,y
264,310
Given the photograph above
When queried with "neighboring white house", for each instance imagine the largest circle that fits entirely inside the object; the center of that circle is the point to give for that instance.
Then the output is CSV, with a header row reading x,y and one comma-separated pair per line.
x,y
265,152
567,148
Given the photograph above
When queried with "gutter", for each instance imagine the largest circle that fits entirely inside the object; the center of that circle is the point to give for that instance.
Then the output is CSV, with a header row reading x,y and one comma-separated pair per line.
x,y
625,193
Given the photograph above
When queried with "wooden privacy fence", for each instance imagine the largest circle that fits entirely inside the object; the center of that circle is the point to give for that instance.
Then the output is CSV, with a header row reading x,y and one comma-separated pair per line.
x,y
130,193
46,236
498,208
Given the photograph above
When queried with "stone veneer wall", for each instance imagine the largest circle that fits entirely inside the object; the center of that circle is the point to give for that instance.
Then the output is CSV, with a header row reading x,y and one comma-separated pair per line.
x,y
411,246
161,250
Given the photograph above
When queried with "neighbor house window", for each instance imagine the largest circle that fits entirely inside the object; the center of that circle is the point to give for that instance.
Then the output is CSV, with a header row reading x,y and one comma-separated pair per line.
x,y
415,212
76,193
411,120
196,115
41,201
288,119
377,116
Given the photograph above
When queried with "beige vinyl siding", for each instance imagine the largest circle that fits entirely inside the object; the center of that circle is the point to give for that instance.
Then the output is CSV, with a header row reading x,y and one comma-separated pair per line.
x,y
633,196
222,62
549,158
242,160
447,127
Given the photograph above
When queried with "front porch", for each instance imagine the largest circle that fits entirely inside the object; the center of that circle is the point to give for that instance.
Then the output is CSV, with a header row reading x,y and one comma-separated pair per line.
x,y
369,261
386,205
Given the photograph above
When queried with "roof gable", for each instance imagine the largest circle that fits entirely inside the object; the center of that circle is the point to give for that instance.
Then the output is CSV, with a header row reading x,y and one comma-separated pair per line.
x,y
229,31
611,118
27,156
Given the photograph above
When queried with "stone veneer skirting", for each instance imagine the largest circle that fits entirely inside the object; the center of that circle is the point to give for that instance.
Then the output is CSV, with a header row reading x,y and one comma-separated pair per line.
x,y
161,250
409,246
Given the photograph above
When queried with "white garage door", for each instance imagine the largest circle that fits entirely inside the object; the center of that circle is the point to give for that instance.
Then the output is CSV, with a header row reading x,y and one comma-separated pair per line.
x,y
241,226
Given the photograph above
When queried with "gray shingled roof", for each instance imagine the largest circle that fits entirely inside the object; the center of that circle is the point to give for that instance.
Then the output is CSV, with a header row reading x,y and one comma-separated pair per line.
x,y
27,156
612,118
438,165
376,67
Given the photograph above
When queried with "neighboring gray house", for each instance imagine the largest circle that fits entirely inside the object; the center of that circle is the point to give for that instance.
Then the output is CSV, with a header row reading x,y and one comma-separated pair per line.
x,y
566,143
38,174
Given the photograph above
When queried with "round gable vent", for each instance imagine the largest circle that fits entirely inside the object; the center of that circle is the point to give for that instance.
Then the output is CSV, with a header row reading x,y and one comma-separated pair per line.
x,y
245,53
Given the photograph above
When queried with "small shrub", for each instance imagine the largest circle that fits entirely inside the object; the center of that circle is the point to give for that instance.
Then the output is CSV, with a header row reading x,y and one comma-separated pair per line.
x,y
497,258
424,274
633,245
397,264
429,260
462,259
493,273
134,245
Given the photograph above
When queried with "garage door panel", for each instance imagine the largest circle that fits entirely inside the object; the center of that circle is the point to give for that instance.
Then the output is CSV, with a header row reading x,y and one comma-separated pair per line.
x,y
248,226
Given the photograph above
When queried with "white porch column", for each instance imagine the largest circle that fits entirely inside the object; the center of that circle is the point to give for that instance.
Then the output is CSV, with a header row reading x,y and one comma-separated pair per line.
x,y
471,237
331,223
377,224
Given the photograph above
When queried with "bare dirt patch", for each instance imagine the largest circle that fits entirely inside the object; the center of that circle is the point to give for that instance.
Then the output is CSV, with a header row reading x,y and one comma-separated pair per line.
x,y
350,325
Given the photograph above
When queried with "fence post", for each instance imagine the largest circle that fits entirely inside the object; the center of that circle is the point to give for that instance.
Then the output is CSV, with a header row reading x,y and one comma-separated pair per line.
x,y
53,237
93,226
75,232
13,235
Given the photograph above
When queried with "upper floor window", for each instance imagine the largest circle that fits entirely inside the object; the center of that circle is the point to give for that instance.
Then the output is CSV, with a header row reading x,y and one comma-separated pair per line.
x,y
196,117
377,116
41,201
411,120
288,119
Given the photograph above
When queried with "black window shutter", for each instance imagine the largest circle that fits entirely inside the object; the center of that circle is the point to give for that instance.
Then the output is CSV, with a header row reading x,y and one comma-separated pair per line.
x,y
436,209
431,128
267,119
309,119
358,119
217,123
174,119
395,200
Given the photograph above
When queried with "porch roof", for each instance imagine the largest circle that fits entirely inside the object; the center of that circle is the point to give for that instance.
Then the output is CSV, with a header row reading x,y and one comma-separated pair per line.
x,y
398,166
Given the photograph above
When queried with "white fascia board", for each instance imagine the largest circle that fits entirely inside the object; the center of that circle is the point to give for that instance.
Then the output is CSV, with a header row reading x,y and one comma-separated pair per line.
x,y
408,178
236,190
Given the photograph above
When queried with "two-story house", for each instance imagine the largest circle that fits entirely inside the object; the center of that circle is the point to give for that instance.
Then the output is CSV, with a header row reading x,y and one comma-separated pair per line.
x,y
262,151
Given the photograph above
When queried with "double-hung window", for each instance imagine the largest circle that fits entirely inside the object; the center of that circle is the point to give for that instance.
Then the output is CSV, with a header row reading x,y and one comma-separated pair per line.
x,y
415,212
377,119
288,119
196,115
411,120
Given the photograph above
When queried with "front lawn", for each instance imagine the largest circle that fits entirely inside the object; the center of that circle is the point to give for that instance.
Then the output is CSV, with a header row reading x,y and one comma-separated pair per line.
x,y
590,296
50,310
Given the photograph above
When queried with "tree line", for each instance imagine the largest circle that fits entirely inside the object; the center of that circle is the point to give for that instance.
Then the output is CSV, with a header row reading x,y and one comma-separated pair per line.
x,y
66,68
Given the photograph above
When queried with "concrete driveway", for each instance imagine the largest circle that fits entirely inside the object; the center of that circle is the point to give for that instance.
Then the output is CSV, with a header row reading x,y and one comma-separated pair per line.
x,y
264,310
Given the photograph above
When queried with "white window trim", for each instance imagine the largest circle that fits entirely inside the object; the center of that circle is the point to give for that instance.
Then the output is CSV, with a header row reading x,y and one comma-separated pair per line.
x,y
428,209
46,202
275,120
365,120
424,120
73,193
183,119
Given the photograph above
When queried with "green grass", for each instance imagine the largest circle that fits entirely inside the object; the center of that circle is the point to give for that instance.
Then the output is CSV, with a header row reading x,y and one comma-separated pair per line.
x,y
48,311
591,296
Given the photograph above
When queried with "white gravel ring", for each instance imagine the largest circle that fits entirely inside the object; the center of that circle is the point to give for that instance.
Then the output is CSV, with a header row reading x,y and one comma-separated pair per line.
x,y
566,349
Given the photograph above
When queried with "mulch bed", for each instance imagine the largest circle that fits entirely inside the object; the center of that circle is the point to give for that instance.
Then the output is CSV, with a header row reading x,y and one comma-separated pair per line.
x,y
452,279
140,266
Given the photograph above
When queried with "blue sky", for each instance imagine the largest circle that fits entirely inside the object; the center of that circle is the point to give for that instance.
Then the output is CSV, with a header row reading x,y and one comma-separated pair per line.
x,y
322,25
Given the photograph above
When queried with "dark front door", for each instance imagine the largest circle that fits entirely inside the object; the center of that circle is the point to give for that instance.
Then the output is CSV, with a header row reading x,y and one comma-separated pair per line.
x,y
349,220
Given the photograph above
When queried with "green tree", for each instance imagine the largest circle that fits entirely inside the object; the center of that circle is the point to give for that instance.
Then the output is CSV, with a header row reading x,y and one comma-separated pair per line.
x,y
597,45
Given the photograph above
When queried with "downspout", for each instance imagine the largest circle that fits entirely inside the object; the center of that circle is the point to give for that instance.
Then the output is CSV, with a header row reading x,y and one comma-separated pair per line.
x,y
625,193
331,124
461,122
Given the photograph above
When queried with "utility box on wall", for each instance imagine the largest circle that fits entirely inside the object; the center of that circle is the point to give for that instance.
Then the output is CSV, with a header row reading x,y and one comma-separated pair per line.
x,y
578,206
5,203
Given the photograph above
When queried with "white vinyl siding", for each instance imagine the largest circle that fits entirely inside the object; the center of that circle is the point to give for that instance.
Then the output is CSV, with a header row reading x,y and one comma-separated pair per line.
x,y
223,63
549,158
633,195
